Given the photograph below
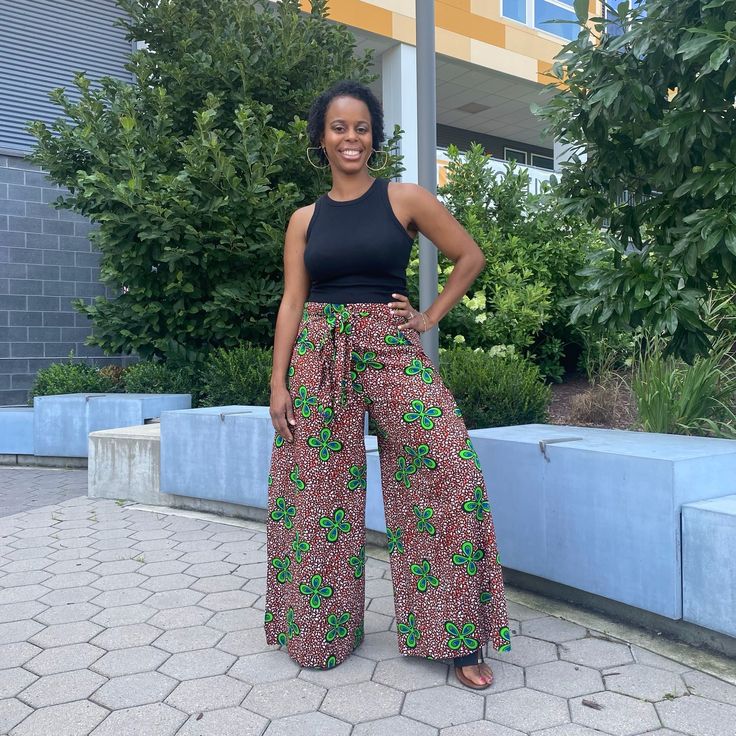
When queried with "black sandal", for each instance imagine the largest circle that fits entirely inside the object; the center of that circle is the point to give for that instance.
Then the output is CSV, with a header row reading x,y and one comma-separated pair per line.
x,y
464,680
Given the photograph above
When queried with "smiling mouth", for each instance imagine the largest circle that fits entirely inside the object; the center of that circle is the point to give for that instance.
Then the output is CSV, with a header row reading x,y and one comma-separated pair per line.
x,y
351,153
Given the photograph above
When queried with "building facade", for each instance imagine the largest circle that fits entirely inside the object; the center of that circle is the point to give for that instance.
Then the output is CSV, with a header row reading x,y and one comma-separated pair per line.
x,y
492,62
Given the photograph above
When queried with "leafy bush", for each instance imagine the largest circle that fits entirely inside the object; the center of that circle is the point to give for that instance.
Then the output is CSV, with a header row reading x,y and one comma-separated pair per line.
x,y
533,251
192,170
71,378
679,398
495,390
156,377
237,376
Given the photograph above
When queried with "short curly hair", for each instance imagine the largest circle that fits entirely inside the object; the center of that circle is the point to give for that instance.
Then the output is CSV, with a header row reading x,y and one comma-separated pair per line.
x,y
344,88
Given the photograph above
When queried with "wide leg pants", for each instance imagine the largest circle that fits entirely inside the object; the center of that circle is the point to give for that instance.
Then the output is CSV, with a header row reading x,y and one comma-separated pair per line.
x,y
448,587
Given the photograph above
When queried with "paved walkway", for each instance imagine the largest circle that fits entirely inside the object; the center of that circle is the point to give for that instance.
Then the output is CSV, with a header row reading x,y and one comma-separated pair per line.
x,y
118,621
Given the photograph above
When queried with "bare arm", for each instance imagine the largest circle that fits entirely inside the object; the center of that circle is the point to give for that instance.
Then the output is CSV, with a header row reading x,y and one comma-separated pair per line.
x,y
296,288
431,218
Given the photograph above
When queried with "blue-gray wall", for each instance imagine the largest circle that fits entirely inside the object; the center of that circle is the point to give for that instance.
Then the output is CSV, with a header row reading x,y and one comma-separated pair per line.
x,y
45,255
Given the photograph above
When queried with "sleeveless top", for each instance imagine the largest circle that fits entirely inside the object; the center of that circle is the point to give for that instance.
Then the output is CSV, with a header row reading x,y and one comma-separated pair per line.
x,y
356,251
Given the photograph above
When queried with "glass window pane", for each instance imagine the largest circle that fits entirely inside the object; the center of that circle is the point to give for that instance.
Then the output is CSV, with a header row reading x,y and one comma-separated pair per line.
x,y
514,9
546,11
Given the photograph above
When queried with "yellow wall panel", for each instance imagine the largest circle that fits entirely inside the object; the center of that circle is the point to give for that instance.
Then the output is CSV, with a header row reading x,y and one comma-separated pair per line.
x,y
359,14
486,8
467,24
502,60
452,44
529,43
459,4
405,7
404,29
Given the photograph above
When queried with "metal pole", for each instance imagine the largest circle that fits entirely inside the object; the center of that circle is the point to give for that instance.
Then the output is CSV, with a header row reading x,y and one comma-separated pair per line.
x,y
427,145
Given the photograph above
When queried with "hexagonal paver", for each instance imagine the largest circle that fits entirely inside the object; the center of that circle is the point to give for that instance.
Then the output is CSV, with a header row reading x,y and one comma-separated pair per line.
x,y
379,646
208,693
225,722
114,582
17,654
308,723
58,635
410,673
67,613
643,682
68,719
575,729
520,612
443,706
178,618
162,568
217,584
525,709
18,631
20,611
22,593
65,658
177,581
526,651
121,597
235,620
265,667
698,716
129,661
132,690
137,613
644,656
130,635
247,641
699,683
156,718
353,669
227,600
619,715
14,680
201,663
396,726
551,628
61,688
174,599
188,639
12,712
363,701
280,699
565,679
481,728
594,652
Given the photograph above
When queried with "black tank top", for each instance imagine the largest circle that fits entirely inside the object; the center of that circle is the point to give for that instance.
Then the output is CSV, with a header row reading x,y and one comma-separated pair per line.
x,y
356,251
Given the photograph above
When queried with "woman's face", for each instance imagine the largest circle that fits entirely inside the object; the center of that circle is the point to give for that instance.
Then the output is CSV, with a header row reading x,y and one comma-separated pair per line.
x,y
348,138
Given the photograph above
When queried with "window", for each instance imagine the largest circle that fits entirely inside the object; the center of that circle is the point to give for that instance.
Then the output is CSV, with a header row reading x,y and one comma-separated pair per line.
x,y
538,13
616,28
514,154
543,162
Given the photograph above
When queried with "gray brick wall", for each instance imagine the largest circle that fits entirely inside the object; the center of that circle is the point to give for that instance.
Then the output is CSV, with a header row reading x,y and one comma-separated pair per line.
x,y
46,260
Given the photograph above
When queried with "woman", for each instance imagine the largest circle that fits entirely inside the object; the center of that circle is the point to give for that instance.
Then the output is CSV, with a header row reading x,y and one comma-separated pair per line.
x,y
347,341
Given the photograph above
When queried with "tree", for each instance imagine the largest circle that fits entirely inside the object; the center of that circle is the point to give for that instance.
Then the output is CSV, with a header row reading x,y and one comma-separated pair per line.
x,y
649,115
192,171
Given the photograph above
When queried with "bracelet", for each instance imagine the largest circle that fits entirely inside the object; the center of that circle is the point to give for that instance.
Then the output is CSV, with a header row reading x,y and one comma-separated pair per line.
x,y
425,321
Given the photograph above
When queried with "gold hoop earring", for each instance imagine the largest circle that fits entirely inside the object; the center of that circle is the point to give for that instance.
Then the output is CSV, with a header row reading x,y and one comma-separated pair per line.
x,y
317,148
385,160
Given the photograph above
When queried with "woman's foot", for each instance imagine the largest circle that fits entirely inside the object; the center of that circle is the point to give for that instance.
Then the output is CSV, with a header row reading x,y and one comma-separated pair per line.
x,y
477,676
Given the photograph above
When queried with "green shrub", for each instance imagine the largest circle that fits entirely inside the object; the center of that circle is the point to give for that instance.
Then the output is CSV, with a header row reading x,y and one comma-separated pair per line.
x,y
495,390
156,377
237,376
70,378
675,397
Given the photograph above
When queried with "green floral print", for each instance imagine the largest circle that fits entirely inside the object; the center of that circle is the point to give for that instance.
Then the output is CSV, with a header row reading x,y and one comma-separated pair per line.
x,y
284,575
468,557
461,637
291,625
304,402
425,415
469,453
357,562
316,591
419,457
363,361
424,515
325,444
300,547
296,480
395,541
358,481
284,513
478,505
405,470
410,631
335,524
337,626
425,576
417,368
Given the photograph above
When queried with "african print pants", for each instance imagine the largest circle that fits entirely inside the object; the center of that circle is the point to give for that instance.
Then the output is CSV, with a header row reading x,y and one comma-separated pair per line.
x,y
448,586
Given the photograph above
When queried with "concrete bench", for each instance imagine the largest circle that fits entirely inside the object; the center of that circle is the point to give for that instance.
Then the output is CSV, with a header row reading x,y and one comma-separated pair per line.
x,y
62,423
16,430
599,510
709,563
